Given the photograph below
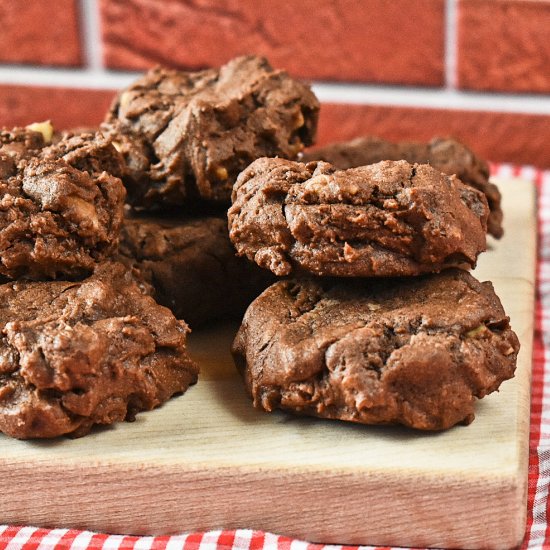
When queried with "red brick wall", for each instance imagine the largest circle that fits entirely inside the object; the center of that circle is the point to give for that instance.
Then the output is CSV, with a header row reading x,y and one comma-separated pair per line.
x,y
397,68
345,40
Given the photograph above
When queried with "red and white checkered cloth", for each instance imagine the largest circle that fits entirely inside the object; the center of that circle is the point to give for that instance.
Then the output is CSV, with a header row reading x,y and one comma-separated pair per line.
x,y
537,533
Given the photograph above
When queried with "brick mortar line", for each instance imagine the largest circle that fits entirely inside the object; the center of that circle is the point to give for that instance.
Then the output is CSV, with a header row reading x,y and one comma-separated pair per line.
x,y
365,94
451,47
88,11
329,92
87,78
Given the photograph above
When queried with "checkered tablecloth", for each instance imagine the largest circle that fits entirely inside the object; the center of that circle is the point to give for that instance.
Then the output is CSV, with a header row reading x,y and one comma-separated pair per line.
x,y
537,534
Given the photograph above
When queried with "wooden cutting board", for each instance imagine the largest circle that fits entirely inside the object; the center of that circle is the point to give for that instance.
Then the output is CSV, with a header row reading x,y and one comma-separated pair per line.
x,y
208,460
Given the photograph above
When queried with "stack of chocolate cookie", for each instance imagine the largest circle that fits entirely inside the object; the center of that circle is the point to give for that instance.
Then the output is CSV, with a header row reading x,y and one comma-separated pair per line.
x,y
82,339
185,137
81,343
380,321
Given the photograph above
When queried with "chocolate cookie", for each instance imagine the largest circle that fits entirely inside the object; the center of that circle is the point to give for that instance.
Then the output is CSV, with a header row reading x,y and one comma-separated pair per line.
x,y
385,219
188,134
192,266
75,354
416,351
59,211
446,155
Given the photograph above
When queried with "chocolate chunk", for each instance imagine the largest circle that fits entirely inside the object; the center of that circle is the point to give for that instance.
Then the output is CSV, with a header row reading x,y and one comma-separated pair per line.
x,y
192,266
446,155
386,219
416,351
188,134
75,354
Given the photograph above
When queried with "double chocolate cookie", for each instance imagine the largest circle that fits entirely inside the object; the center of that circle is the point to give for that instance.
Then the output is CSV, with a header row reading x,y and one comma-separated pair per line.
x,y
416,351
188,134
192,266
386,219
60,211
75,354
447,155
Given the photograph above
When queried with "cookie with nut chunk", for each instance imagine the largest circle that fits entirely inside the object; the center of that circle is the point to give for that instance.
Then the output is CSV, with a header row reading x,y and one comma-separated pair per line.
x,y
417,351
386,219
187,135
60,210
77,354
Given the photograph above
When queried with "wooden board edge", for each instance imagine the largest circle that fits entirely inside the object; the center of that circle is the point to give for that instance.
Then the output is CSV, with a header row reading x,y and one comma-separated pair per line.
x,y
343,508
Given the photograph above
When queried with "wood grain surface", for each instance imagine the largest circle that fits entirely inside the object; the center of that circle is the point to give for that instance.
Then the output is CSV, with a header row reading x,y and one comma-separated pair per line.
x,y
207,460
